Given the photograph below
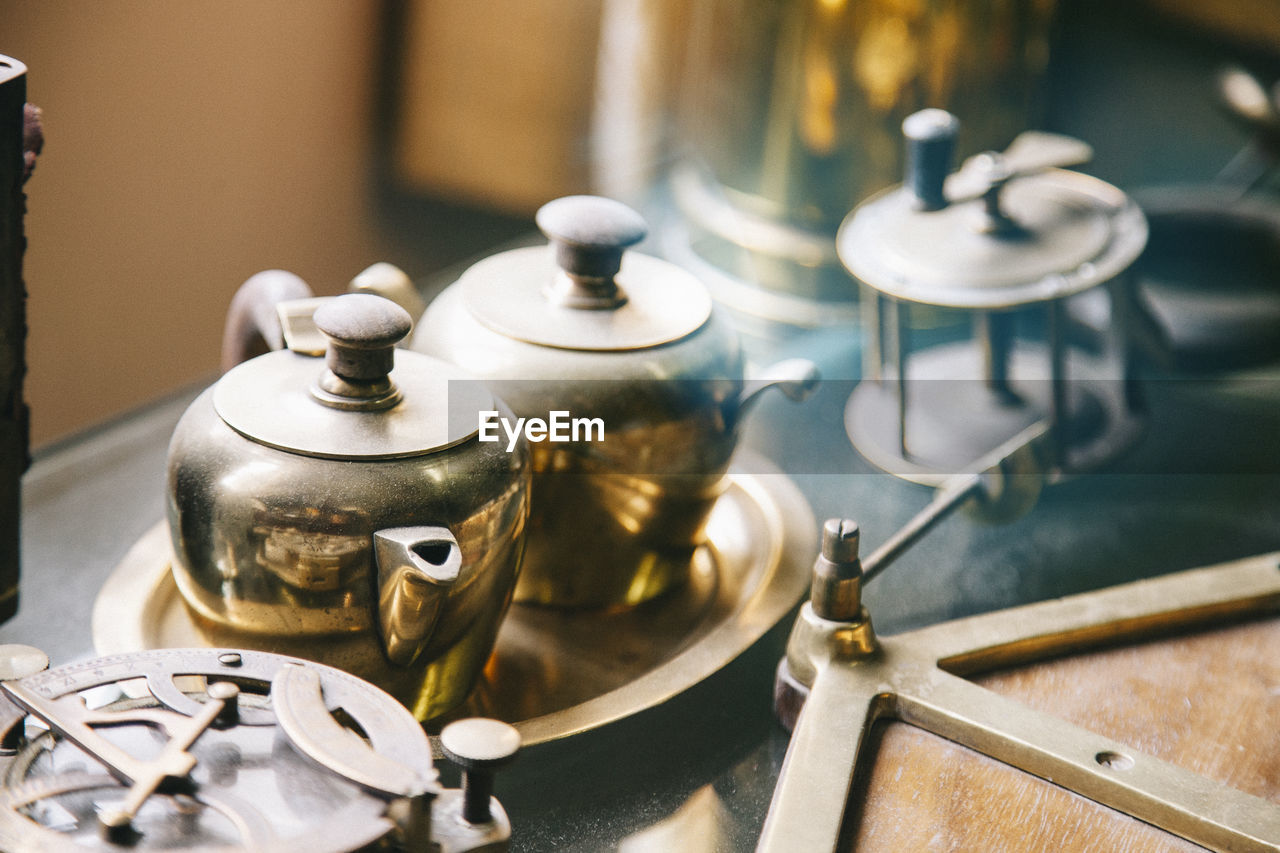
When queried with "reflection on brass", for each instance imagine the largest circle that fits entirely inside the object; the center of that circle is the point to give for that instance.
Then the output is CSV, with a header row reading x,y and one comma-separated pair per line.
x,y
553,673
298,524
791,110
612,522
415,566
919,677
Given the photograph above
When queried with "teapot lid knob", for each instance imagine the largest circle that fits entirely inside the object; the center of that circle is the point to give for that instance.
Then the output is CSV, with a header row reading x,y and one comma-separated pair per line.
x,y
363,331
931,141
590,235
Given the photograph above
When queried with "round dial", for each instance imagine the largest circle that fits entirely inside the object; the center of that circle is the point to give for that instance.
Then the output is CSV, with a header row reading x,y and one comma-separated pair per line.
x,y
209,750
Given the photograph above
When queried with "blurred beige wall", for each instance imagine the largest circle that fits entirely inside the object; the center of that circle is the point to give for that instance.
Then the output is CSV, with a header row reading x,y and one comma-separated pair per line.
x,y
189,145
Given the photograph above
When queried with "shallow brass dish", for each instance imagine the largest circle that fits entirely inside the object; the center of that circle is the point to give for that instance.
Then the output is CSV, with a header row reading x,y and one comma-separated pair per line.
x,y
558,673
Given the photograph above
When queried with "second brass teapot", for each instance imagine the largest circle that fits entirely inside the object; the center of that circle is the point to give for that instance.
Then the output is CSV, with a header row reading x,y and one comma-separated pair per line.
x,y
589,332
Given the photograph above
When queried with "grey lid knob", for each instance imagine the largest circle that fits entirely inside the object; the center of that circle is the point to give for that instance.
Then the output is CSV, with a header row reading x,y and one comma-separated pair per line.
x,y
479,746
931,140
362,330
590,233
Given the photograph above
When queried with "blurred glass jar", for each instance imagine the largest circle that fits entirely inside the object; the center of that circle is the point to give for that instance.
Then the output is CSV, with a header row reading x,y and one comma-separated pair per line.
x,y
790,113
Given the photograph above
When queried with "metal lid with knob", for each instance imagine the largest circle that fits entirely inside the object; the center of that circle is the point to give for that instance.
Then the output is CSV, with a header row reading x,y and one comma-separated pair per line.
x,y
1009,228
588,292
367,401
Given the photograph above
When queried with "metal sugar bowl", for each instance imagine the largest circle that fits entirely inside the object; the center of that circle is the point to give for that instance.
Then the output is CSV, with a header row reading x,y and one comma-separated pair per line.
x,y
344,511
1011,239
629,347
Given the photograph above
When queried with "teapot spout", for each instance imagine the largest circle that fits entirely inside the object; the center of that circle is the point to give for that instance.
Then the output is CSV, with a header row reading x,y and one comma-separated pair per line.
x,y
796,378
417,566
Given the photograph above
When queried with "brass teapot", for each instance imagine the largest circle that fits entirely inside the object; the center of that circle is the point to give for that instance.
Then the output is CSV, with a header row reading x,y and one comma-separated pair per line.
x,y
630,347
344,511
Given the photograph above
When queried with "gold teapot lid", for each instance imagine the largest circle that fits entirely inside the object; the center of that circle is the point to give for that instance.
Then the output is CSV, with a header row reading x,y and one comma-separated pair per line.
x,y
1007,229
367,400
585,291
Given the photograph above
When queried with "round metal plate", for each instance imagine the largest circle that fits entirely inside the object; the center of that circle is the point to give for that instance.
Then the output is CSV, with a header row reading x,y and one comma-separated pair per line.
x,y
268,400
1076,232
954,421
251,785
664,303
558,673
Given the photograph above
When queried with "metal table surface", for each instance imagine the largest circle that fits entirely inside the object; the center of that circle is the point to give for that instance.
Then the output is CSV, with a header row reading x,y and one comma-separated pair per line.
x,y
1203,487
697,773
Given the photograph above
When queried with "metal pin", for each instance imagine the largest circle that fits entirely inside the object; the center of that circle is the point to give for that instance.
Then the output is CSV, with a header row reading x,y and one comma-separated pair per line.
x,y
995,335
836,589
412,816
873,365
229,695
1058,414
898,316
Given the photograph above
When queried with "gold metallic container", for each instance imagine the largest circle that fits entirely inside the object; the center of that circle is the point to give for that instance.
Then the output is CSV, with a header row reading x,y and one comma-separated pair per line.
x,y
586,328
341,514
789,113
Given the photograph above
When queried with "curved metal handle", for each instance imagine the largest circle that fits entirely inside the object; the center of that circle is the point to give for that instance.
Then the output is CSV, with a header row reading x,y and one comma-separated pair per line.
x,y
390,282
417,566
796,378
253,326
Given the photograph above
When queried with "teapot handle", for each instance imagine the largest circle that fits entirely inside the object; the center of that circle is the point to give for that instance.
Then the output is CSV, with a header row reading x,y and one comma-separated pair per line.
x,y
797,378
416,568
253,326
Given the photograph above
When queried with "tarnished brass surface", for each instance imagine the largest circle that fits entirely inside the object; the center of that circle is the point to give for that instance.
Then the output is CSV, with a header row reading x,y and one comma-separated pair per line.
x,y
918,678
275,557
555,673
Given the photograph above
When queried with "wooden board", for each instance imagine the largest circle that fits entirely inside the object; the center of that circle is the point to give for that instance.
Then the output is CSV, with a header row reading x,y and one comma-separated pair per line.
x,y
1208,702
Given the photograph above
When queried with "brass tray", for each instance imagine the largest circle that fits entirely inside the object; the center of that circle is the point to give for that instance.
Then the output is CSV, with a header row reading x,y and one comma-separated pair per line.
x,y
555,673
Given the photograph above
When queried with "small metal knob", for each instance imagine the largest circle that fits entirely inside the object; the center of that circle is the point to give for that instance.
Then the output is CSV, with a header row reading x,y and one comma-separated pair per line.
x,y
229,695
590,235
479,746
362,330
836,590
931,141
19,661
